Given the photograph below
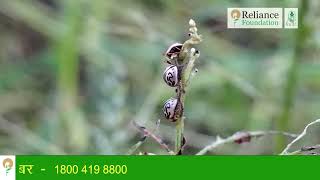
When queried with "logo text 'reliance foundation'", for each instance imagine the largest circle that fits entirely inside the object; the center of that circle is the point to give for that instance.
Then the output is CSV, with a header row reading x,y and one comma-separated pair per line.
x,y
266,18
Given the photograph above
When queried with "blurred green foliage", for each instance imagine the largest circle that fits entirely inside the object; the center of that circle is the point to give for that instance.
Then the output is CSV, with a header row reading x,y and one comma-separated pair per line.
x,y
74,74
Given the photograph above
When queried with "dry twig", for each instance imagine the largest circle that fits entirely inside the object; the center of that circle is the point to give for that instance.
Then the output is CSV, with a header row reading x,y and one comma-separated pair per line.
x,y
304,132
146,133
241,137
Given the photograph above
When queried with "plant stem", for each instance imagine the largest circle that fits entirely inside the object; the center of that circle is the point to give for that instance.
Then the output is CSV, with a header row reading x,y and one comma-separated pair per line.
x,y
180,113
186,58
73,125
185,76
179,134
241,137
290,86
147,133
304,132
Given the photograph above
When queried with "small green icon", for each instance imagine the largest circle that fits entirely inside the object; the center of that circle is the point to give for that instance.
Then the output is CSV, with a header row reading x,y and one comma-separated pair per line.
x,y
291,19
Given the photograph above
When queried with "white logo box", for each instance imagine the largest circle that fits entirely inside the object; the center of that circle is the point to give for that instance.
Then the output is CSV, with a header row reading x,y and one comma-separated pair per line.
x,y
290,18
266,18
7,170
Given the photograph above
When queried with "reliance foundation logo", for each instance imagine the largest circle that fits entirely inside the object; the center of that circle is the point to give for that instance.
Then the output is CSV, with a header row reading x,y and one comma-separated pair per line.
x,y
270,18
7,168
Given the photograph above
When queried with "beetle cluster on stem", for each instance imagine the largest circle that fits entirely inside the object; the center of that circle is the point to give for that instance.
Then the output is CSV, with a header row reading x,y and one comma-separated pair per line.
x,y
181,59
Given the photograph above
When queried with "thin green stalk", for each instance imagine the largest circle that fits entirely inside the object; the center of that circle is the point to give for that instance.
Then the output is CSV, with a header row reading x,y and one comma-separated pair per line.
x,y
291,84
67,53
179,134
180,112
187,57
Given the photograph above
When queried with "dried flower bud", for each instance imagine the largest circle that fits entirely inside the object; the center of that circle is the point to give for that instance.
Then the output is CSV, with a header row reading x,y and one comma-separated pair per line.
x,y
192,23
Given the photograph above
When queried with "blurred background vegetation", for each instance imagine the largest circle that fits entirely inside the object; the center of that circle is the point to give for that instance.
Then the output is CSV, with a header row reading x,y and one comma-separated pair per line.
x,y
75,73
